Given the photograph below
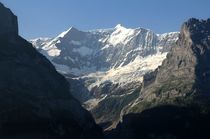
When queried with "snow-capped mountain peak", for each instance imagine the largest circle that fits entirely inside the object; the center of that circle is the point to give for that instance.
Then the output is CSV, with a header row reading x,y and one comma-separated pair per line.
x,y
41,41
68,32
83,52
121,35
115,57
65,32
118,26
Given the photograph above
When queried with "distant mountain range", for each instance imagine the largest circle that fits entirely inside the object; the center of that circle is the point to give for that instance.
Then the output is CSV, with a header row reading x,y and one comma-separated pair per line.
x,y
78,52
136,84
106,61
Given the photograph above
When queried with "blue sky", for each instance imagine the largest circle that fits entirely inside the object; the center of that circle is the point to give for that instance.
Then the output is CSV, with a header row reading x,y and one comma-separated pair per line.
x,y
47,18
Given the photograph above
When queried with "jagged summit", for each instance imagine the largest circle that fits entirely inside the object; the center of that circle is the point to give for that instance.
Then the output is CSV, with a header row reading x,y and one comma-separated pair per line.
x,y
120,26
191,56
67,32
197,31
184,74
176,94
72,47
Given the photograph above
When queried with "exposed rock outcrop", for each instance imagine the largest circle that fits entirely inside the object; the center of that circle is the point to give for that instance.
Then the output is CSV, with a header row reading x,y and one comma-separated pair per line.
x,y
185,72
174,100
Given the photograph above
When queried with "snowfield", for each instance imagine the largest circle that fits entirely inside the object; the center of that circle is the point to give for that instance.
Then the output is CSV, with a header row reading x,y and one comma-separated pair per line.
x,y
134,71
117,56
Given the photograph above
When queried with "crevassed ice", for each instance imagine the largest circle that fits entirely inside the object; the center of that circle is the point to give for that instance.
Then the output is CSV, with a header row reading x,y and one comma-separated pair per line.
x,y
128,73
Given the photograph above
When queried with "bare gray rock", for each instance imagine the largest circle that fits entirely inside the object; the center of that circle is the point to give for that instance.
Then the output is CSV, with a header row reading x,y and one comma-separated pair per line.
x,y
185,71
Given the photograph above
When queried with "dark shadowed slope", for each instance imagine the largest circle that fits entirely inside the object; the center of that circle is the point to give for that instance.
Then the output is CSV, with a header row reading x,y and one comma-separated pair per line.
x,y
35,101
165,122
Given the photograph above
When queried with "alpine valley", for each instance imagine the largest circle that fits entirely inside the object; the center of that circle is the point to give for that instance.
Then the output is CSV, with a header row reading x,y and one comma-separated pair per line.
x,y
117,83
106,66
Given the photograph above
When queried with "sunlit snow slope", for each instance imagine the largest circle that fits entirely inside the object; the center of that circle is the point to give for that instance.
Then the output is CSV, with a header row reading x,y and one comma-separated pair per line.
x,y
117,55
77,52
105,66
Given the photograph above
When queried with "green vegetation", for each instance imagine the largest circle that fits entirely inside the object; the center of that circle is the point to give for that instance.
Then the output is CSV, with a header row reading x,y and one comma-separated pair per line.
x,y
110,108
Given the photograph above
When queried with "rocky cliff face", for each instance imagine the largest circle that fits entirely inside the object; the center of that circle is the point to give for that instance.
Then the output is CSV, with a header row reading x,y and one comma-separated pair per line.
x,y
188,61
35,101
178,92
185,71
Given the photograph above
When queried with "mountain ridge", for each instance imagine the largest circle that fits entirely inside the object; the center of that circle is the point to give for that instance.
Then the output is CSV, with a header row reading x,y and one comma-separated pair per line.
x,y
151,89
184,73
106,62
102,39
174,99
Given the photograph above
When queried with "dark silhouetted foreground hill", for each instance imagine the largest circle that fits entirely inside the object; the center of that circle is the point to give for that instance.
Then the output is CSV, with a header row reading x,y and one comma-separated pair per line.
x,y
35,101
